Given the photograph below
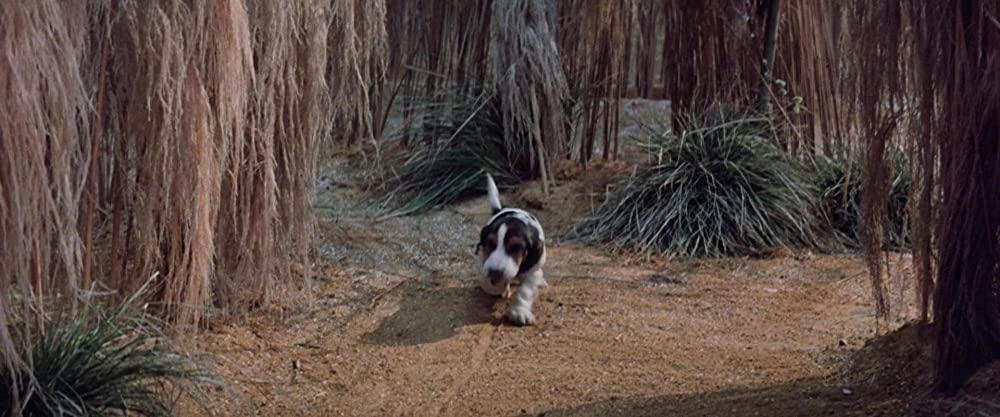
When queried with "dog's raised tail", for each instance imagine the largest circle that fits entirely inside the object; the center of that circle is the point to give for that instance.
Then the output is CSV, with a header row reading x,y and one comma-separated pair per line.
x,y
493,194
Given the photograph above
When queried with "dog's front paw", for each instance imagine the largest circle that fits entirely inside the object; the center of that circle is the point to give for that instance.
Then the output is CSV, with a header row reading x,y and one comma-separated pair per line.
x,y
521,316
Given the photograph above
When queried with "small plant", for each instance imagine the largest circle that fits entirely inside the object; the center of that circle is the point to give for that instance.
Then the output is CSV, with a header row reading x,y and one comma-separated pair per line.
x,y
720,188
460,137
838,180
94,364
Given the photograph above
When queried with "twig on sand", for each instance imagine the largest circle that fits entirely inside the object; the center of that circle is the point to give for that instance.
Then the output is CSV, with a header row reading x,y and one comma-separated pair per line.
x,y
509,345
379,296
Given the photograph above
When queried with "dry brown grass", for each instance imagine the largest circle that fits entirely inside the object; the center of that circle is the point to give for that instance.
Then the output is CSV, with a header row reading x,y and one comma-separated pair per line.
x,y
437,45
812,45
480,49
595,39
709,52
42,153
526,72
172,137
357,71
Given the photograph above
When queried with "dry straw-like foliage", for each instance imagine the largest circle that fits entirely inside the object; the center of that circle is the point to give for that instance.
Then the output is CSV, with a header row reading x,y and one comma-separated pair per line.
x,y
812,47
709,52
526,72
938,64
437,46
502,53
42,153
595,39
169,136
697,52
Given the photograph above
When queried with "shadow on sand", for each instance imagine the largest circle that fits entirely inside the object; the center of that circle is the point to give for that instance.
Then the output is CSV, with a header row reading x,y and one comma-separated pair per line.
x,y
810,397
427,314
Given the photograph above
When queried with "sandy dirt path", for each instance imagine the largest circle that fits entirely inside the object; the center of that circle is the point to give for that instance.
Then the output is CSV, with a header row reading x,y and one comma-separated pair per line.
x,y
397,328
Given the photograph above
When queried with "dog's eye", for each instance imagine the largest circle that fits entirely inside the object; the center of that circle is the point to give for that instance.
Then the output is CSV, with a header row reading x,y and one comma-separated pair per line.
x,y
515,247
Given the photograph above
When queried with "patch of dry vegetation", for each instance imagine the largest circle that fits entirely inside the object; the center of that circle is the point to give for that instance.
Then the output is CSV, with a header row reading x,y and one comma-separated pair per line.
x,y
171,137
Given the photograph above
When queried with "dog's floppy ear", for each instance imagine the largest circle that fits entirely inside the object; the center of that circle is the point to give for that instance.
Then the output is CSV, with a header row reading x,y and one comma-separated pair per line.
x,y
493,194
535,247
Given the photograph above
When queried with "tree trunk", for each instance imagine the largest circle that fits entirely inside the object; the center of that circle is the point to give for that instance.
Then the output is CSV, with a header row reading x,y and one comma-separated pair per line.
x,y
770,48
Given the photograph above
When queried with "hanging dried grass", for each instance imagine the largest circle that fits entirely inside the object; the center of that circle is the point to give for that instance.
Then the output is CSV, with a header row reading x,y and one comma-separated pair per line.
x,y
711,49
809,60
438,45
591,36
526,71
245,227
209,121
968,136
357,73
170,128
879,117
951,51
266,102
42,149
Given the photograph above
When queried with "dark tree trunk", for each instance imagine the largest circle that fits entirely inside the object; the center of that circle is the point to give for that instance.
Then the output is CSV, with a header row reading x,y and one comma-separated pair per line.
x,y
770,48
966,303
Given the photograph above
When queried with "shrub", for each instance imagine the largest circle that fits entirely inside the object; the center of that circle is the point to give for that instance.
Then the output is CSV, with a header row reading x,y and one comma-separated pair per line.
x,y
838,180
461,137
94,364
721,188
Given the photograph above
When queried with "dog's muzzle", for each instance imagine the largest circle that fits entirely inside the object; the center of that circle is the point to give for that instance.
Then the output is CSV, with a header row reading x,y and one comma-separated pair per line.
x,y
496,276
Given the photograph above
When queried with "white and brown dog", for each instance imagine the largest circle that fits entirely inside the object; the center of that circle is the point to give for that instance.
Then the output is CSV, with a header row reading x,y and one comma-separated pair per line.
x,y
513,245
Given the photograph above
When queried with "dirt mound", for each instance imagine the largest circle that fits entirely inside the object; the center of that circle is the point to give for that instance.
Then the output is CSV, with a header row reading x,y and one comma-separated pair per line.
x,y
892,371
577,194
895,371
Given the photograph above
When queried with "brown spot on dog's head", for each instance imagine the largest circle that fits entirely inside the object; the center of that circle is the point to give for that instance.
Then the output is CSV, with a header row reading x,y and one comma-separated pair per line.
x,y
522,244
516,247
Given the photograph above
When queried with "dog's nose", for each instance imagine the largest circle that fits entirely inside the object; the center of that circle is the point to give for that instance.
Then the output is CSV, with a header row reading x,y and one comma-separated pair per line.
x,y
495,275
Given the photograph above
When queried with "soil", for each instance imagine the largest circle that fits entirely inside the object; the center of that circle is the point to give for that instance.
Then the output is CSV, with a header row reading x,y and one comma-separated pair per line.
x,y
395,326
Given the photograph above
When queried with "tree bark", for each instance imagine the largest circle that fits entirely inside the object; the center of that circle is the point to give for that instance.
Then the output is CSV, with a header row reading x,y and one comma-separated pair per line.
x,y
770,49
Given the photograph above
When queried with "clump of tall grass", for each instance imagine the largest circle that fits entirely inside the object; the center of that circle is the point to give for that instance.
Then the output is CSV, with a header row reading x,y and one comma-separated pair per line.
x,y
95,363
459,137
719,188
839,182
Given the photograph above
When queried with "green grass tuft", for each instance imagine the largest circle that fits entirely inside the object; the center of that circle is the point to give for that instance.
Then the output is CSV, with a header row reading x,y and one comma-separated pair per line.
x,y
721,188
95,364
838,180
459,139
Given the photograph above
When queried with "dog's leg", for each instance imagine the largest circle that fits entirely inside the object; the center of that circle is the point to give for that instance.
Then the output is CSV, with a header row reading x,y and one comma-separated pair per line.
x,y
520,310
